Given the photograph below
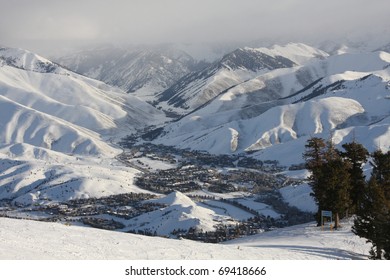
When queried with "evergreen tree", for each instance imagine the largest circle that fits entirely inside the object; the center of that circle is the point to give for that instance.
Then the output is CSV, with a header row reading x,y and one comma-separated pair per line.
x,y
314,157
373,219
381,170
356,154
329,178
336,183
372,222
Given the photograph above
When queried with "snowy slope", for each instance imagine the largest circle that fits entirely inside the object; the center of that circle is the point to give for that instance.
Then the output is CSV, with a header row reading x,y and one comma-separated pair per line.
x,y
30,174
278,111
45,105
37,240
21,124
57,130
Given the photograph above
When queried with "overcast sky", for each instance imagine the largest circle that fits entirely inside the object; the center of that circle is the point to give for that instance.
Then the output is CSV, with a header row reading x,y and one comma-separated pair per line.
x,y
42,24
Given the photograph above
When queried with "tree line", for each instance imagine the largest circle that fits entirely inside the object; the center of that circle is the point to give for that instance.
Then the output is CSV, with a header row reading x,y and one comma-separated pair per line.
x,y
339,185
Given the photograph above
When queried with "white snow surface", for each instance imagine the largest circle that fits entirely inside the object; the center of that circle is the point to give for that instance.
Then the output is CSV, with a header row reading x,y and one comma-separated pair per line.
x,y
45,241
299,196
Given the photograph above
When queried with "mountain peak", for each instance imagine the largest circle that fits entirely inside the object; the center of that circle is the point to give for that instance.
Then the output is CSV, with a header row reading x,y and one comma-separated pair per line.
x,y
254,60
176,198
26,60
299,53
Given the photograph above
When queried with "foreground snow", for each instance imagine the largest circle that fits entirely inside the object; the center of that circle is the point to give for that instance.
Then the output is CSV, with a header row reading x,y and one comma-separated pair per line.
x,y
38,240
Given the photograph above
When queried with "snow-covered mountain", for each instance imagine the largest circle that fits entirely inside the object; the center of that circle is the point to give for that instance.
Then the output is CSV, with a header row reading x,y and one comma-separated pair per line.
x,y
44,105
254,98
199,88
26,60
56,129
142,71
346,95
183,213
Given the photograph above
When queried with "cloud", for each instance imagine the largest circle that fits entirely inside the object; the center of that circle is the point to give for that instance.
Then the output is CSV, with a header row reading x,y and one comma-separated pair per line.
x,y
50,23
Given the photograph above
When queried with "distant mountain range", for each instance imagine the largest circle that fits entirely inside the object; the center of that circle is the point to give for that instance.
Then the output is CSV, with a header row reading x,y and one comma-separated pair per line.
x,y
275,110
255,99
142,71
236,68
261,102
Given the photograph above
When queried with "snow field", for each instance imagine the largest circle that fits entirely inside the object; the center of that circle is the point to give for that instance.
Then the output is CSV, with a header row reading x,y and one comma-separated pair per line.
x,y
45,241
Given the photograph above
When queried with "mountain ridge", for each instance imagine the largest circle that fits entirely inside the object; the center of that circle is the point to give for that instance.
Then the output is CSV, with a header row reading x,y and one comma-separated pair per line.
x,y
196,89
141,71
338,79
66,99
59,131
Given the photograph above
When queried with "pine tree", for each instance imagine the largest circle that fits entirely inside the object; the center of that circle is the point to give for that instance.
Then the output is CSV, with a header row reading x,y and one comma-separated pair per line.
x,y
336,183
381,170
356,154
314,157
373,219
329,178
